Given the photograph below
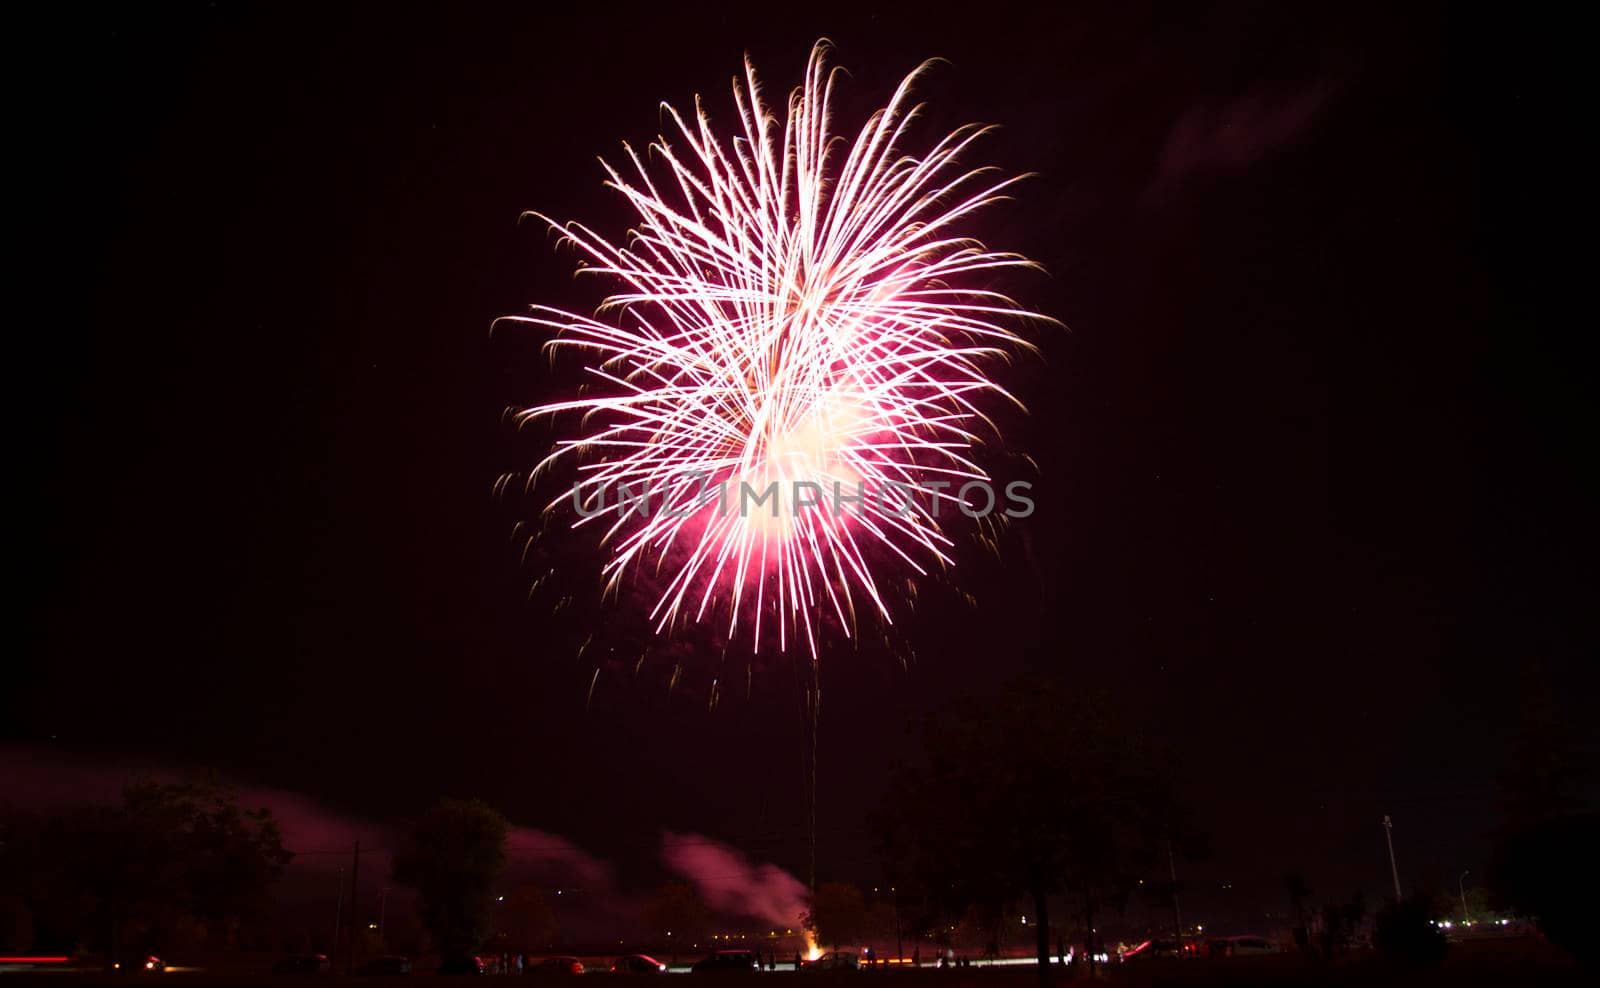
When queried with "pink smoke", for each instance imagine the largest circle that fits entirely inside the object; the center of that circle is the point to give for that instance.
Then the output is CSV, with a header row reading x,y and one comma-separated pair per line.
x,y
555,861
731,884
1236,134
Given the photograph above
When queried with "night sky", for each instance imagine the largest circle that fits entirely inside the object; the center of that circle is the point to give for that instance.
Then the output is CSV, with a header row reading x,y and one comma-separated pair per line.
x,y
1312,487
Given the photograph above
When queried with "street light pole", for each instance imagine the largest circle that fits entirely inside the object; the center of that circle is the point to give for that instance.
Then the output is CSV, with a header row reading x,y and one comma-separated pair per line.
x,y
338,918
355,874
899,944
1461,887
383,909
1388,836
1177,916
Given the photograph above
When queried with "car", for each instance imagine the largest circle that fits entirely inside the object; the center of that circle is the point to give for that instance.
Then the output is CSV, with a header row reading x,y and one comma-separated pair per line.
x,y
1247,946
150,964
1153,950
836,960
389,964
461,965
727,961
561,965
638,964
303,964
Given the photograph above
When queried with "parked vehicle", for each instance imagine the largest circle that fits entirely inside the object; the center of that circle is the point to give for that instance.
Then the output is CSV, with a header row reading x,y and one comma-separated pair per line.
x,y
725,961
1156,949
303,964
562,965
462,965
834,961
390,964
638,964
1246,946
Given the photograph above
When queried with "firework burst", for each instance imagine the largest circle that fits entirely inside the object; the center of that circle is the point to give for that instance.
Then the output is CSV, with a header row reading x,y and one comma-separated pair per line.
x,y
793,308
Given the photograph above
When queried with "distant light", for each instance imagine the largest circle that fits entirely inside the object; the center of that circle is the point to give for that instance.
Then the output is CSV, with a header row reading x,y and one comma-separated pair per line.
x,y
501,898
1024,921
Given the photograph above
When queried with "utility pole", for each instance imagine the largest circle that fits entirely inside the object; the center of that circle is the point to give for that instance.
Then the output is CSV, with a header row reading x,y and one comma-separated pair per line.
x,y
355,873
1177,917
1388,836
813,712
899,944
1461,886
338,919
1088,924
383,911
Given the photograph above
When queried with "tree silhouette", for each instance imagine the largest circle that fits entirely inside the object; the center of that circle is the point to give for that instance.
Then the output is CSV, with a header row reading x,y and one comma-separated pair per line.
x,y
1544,865
524,919
452,857
676,913
1548,870
1404,934
172,860
838,914
1028,792
1299,891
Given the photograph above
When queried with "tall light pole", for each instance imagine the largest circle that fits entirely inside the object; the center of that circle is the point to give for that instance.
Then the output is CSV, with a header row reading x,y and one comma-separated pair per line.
x,y
383,909
1461,886
1388,836
899,944
355,873
1177,916
338,919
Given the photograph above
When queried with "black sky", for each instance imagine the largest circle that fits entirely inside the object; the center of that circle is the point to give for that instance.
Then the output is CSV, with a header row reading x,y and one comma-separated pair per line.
x,y
1313,495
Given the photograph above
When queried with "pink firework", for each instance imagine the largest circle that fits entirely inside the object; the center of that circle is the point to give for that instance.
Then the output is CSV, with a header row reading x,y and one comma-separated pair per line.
x,y
792,308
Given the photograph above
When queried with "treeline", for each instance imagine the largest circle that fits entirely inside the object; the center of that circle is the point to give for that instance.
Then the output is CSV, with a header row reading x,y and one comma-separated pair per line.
x,y
168,863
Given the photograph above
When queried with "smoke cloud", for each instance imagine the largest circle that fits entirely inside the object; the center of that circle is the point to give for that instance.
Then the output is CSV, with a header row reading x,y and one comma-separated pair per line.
x,y
1237,134
729,883
555,862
